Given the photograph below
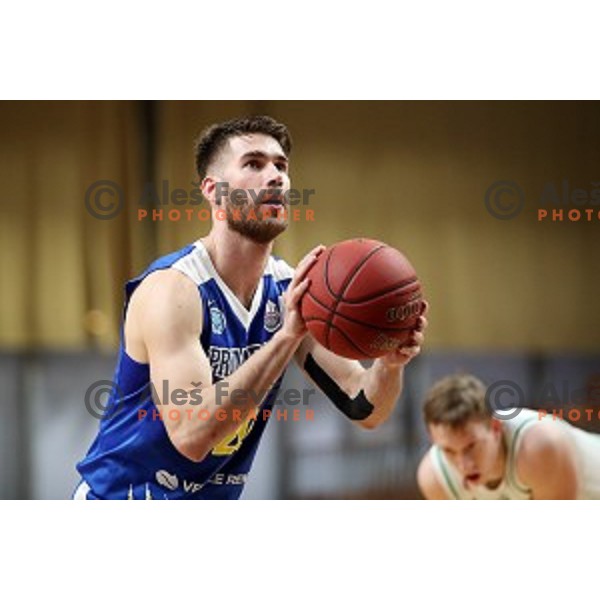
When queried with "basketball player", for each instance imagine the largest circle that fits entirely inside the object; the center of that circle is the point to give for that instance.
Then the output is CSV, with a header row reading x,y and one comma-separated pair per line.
x,y
219,321
479,455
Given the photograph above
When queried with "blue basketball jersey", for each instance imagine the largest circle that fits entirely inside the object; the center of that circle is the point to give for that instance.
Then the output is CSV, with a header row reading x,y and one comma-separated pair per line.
x,y
132,456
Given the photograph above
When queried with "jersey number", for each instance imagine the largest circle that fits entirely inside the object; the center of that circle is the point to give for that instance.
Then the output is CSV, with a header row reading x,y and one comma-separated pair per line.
x,y
230,444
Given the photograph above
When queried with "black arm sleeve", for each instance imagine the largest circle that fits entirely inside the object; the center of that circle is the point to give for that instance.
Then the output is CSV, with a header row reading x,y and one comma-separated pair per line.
x,y
356,409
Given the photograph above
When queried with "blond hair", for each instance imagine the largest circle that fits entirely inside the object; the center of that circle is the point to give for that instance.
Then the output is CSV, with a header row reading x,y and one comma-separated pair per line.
x,y
455,400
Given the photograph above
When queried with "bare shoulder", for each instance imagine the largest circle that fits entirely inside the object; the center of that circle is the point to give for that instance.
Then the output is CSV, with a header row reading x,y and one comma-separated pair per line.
x,y
164,306
540,443
166,286
428,481
546,455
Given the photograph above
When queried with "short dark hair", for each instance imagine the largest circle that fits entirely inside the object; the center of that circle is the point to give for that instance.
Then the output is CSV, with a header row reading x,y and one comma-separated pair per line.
x,y
213,139
455,400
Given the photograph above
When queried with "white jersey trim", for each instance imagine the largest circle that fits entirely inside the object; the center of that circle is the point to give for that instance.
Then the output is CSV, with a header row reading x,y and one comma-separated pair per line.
x,y
279,269
208,271
81,492
194,265
198,266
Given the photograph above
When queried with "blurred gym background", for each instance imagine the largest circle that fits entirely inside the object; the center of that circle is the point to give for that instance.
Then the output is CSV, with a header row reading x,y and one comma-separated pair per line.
x,y
511,299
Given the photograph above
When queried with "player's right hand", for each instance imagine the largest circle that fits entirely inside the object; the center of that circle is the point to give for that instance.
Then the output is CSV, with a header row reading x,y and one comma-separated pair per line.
x,y
293,323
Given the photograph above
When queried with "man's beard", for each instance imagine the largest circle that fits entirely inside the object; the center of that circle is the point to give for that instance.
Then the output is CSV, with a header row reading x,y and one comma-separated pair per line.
x,y
261,230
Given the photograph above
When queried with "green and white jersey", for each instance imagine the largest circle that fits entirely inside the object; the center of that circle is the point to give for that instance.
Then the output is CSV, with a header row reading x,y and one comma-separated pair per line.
x,y
586,447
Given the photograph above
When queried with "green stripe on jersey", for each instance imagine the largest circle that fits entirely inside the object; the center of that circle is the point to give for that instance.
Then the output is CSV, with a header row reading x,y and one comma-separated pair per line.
x,y
447,476
512,471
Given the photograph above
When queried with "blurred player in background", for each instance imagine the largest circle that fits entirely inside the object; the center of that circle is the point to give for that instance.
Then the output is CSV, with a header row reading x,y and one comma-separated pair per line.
x,y
219,321
476,455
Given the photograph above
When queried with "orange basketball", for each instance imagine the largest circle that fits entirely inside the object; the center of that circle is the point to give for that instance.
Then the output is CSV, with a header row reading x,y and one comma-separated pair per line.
x,y
364,299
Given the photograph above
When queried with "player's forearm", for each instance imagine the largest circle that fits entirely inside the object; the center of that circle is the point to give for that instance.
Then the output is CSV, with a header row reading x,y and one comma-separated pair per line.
x,y
233,400
366,396
382,386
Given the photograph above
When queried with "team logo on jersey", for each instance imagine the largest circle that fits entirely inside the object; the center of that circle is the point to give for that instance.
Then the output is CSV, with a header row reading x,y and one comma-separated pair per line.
x,y
217,319
167,480
272,317
171,482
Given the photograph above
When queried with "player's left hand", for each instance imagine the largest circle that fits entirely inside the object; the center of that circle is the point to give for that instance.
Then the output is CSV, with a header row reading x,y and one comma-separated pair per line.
x,y
404,354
